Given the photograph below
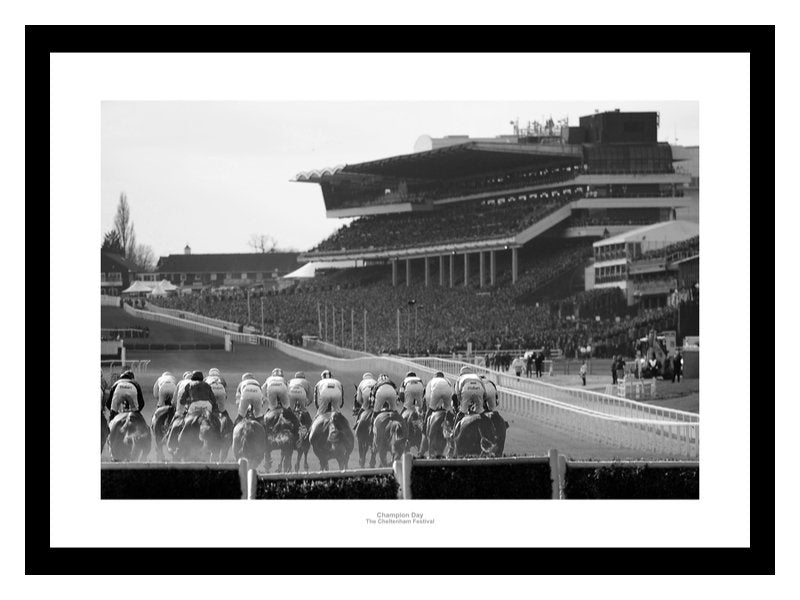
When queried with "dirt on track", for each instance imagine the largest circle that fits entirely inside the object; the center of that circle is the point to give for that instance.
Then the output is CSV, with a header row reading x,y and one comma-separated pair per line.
x,y
524,437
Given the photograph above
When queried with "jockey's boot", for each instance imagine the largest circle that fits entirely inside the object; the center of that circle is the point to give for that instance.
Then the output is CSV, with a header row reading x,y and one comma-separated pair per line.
x,y
459,415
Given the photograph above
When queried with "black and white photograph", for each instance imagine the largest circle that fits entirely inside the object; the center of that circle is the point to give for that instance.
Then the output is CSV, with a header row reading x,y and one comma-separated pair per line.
x,y
386,301
400,300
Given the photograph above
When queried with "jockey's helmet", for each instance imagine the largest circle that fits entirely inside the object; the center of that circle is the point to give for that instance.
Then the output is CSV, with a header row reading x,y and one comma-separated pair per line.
x,y
126,375
187,374
411,374
326,374
166,374
213,371
247,376
367,375
439,374
464,370
197,376
277,372
299,375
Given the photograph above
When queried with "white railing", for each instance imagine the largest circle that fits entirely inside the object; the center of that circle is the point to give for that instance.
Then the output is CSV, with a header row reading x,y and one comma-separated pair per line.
x,y
587,399
190,316
602,419
109,300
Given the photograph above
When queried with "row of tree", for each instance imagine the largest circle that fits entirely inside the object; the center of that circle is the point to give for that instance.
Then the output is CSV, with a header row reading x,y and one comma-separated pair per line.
x,y
122,239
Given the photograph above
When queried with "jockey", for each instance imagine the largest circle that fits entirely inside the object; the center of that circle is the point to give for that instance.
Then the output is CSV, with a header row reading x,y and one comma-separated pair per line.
x,y
383,396
214,372
300,391
438,395
490,398
249,394
362,396
217,384
412,391
197,390
180,387
164,389
125,394
275,390
470,393
328,394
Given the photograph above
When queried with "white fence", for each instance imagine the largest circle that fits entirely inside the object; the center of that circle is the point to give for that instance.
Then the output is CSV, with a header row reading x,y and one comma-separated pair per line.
x,y
587,399
109,300
597,417
190,316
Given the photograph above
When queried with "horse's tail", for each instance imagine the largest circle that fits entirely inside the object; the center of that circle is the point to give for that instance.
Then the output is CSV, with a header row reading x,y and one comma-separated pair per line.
x,y
142,442
302,437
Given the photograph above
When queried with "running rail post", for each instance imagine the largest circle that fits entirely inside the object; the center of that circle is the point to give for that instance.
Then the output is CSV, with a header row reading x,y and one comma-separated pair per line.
x,y
407,476
252,484
554,475
397,467
243,468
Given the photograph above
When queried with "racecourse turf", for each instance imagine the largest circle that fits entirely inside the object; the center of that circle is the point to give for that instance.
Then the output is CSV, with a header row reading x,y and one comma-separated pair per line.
x,y
524,436
112,317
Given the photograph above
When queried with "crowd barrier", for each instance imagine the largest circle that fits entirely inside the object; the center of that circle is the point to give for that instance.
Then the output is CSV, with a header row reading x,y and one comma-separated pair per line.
x,y
190,316
109,300
550,477
600,418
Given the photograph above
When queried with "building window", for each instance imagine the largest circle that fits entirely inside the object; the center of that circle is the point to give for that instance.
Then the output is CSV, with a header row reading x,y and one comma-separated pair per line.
x,y
251,276
244,275
213,277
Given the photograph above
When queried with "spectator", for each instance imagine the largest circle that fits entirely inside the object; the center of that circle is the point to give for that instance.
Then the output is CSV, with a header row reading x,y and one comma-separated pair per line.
x,y
677,367
614,369
539,364
620,368
583,372
518,365
529,364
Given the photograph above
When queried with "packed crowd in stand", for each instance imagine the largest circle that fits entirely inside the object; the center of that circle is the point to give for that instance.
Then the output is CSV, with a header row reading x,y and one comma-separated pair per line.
x,y
442,320
682,249
467,222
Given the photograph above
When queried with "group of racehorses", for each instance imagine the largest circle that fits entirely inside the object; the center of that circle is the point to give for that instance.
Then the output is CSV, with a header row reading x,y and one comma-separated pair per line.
x,y
198,434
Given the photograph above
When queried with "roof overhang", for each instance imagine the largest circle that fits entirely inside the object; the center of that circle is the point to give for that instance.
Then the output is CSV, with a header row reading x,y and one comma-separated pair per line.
x,y
454,161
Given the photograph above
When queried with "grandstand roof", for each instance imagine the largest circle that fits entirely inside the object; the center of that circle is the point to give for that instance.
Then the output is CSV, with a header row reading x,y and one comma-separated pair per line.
x,y
666,231
454,161
219,263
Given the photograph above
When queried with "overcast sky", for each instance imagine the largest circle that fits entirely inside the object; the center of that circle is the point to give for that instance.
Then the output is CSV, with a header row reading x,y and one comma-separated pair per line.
x,y
210,174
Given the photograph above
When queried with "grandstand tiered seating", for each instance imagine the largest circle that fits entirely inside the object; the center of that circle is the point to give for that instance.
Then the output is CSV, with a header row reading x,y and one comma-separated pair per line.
x,y
465,222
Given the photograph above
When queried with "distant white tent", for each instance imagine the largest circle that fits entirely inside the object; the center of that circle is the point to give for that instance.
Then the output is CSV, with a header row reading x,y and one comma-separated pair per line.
x,y
167,285
139,287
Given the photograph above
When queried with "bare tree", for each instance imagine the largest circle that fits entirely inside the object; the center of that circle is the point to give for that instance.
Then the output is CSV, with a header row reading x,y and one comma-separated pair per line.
x,y
262,243
123,225
143,257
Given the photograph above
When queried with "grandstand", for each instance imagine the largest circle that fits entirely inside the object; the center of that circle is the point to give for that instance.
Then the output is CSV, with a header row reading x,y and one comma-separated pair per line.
x,y
486,199
482,243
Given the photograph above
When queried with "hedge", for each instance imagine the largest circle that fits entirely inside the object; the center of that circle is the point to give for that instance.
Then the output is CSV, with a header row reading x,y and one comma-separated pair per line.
x,y
364,487
482,482
632,482
170,484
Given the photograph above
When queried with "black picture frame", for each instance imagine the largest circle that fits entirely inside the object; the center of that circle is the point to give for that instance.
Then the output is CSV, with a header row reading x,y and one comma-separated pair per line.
x,y
757,41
